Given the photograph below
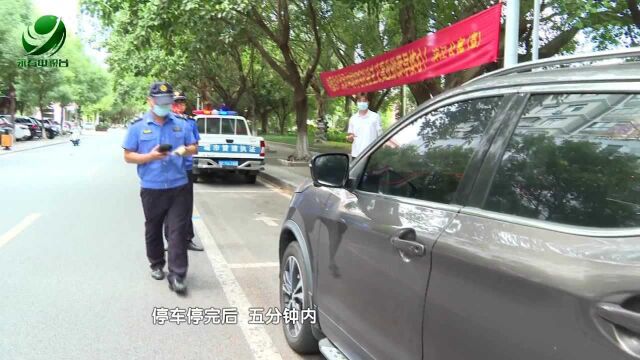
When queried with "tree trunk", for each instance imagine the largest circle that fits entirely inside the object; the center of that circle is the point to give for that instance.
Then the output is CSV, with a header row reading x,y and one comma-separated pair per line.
x,y
61,119
347,112
12,102
44,132
264,119
321,100
301,106
282,121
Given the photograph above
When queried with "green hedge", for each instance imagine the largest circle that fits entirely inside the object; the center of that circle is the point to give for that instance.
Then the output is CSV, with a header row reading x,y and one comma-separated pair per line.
x,y
337,135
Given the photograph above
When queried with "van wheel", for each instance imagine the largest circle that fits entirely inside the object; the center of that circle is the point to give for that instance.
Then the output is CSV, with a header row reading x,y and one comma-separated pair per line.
x,y
294,297
250,178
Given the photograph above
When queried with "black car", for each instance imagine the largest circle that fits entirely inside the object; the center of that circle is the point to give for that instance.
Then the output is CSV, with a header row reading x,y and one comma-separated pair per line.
x,y
50,128
32,124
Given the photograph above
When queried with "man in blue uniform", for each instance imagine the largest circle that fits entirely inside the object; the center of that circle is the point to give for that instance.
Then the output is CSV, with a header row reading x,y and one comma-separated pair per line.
x,y
158,144
179,107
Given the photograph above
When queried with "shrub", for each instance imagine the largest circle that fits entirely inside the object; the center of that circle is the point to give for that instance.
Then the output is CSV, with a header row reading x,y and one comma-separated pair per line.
x,y
336,135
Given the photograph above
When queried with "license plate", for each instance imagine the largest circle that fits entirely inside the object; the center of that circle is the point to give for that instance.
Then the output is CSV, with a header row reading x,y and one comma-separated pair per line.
x,y
228,163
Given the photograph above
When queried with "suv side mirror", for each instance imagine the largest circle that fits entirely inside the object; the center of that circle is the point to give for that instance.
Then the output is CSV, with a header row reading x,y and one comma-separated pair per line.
x,y
330,170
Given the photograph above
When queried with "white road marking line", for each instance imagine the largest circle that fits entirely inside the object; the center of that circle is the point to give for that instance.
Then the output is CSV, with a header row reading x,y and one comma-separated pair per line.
x,y
20,227
256,336
254,265
276,189
268,220
233,191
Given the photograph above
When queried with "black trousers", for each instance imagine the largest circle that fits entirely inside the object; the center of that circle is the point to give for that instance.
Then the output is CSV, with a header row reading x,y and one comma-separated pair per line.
x,y
189,229
189,232
170,207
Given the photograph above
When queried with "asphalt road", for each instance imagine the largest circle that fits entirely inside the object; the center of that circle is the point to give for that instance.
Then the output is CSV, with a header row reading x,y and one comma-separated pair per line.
x,y
74,277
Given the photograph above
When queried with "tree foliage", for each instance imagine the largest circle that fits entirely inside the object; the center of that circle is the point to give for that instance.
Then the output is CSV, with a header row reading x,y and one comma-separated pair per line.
x,y
264,58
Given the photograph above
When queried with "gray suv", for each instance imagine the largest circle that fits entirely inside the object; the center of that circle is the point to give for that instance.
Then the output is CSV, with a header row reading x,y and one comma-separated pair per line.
x,y
500,220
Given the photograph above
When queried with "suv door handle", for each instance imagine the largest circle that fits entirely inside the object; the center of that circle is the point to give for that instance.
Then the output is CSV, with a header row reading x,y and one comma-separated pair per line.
x,y
229,141
620,316
405,242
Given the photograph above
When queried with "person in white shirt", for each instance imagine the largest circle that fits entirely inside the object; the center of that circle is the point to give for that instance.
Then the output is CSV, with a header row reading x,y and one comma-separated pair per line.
x,y
364,127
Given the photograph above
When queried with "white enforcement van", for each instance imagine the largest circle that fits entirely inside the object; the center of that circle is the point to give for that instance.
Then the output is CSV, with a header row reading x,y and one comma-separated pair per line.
x,y
227,145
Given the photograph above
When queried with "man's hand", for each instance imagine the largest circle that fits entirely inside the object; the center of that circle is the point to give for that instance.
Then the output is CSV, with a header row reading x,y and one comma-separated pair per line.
x,y
186,150
181,151
350,138
156,155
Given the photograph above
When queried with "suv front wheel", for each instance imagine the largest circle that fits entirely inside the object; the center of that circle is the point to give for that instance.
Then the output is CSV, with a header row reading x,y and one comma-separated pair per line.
x,y
294,297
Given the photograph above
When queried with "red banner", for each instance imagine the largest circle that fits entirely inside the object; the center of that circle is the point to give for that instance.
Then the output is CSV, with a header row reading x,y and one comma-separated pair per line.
x,y
468,43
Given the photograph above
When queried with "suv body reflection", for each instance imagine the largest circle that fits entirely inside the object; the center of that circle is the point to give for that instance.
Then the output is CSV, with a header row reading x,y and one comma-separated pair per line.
x,y
498,221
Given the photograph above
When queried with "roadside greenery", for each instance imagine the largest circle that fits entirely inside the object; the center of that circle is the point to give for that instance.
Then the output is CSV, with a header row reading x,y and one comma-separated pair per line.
x,y
24,90
264,58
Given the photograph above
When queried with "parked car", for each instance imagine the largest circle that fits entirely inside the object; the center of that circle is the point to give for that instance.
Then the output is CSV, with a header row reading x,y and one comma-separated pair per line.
x,y
34,127
52,129
66,128
499,220
20,131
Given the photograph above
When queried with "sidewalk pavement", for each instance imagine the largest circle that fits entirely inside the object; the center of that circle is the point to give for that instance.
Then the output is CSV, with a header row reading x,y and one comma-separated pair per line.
x,y
34,144
286,177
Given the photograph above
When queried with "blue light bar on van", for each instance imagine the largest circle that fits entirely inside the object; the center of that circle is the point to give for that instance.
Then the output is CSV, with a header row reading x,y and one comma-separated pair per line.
x,y
227,112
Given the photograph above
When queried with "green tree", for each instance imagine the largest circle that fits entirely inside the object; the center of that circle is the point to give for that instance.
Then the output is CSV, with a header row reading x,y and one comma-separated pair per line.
x,y
16,16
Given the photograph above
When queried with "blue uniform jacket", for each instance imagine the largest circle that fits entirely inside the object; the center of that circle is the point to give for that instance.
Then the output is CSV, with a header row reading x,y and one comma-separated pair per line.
x,y
146,134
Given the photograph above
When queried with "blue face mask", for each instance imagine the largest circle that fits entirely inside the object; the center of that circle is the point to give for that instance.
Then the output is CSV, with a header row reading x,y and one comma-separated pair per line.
x,y
161,110
362,106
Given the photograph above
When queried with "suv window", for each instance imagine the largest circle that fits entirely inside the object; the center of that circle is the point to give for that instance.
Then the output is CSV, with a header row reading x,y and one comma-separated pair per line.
x,y
581,170
427,158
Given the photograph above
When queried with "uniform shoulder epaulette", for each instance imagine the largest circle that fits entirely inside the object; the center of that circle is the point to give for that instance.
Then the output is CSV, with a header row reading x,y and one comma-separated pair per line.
x,y
139,118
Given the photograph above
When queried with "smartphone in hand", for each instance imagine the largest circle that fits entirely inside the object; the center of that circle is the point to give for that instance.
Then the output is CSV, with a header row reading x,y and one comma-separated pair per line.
x,y
165,148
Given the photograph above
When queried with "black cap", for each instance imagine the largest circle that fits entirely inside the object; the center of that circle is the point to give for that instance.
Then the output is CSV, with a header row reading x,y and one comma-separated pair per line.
x,y
179,96
161,92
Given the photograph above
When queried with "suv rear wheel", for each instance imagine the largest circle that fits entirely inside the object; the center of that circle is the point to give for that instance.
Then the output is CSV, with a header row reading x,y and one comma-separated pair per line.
x,y
294,297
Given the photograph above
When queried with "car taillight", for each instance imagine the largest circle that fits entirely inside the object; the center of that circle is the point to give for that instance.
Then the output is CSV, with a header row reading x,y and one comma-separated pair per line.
x,y
34,126
262,147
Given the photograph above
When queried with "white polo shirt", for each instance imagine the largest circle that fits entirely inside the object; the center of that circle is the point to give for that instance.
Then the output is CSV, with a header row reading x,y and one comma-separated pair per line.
x,y
366,129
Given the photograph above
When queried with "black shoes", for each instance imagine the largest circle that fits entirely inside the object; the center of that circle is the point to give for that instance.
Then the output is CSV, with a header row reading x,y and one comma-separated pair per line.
x,y
177,285
157,274
193,247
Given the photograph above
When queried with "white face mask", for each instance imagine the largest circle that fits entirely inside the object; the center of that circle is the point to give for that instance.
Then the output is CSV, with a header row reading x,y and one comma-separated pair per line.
x,y
363,105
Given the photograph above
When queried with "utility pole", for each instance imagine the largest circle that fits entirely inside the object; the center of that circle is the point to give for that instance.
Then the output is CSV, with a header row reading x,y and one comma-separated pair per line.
x,y
536,30
511,36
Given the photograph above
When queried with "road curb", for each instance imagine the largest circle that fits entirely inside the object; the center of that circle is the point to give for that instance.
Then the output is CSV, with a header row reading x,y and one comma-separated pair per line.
x,y
7,152
274,180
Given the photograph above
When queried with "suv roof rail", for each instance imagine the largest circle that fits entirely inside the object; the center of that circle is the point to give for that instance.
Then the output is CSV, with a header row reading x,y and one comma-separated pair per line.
x,y
562,60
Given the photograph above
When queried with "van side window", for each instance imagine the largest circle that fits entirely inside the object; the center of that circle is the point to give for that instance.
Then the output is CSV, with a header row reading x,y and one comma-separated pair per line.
x,y
578,164
426,160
